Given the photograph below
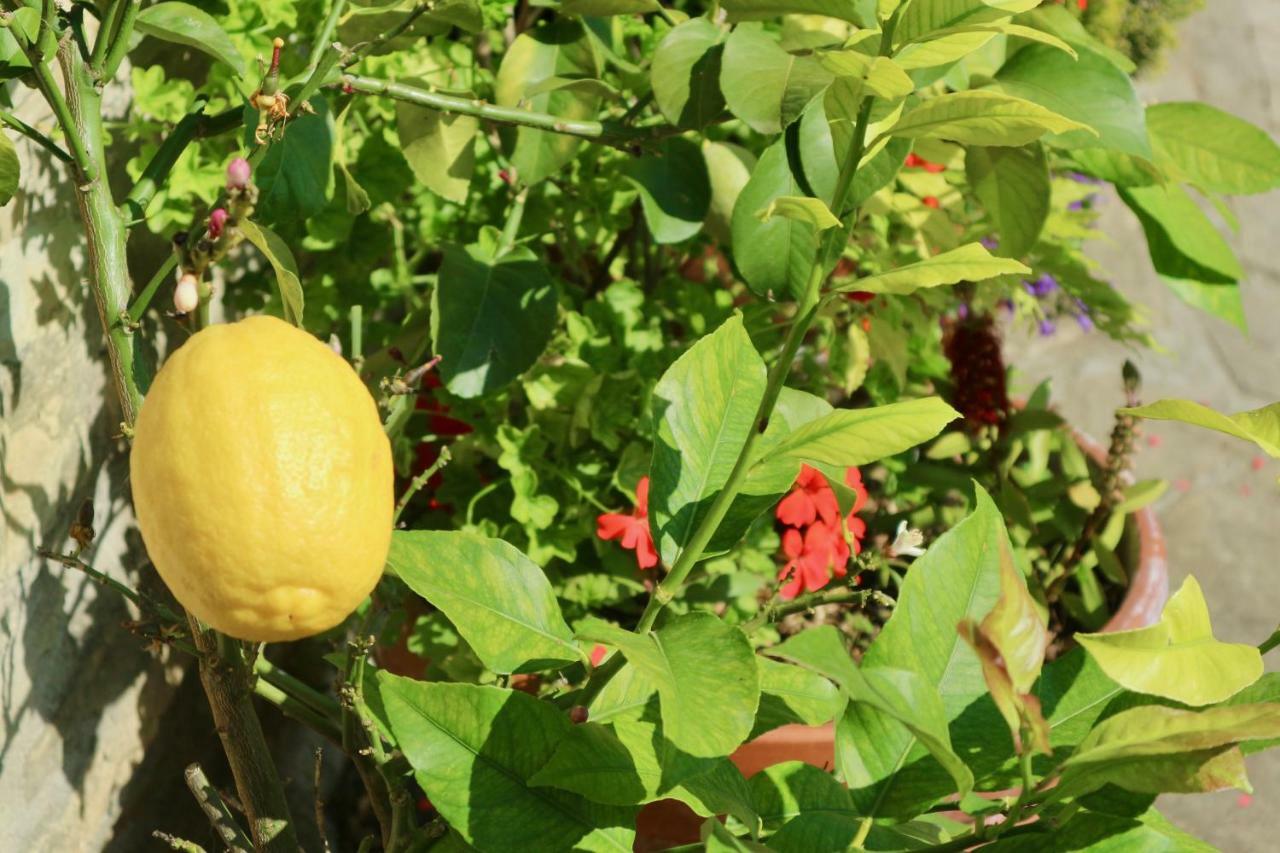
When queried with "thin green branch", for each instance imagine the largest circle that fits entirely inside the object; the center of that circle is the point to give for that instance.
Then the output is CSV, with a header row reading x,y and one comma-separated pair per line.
x,y
324,705
611,133
418,482
35,136
47,35
318,74
120,39
325,34
363,50
135,311
196,124
224,825
106,21
48,86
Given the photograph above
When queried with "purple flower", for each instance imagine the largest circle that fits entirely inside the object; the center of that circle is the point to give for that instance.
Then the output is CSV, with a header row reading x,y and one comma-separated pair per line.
x,y
1042,286
1081,203
1007,305
1047,327
962,311
1083,317
990,243
1081,178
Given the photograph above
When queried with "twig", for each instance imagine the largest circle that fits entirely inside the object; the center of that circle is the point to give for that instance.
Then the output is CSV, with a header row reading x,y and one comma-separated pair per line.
x,y
418,482
143,602
363,50
194,125
224,825
325,33
324,837
610,133
35,136
121,33
134,312
176,843
775,610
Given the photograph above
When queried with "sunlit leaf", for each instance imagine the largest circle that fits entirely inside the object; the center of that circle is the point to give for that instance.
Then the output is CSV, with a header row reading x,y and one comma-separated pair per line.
x,y
970,262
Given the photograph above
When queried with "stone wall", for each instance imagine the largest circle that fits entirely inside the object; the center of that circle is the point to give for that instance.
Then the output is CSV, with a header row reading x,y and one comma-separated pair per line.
x,y
78,695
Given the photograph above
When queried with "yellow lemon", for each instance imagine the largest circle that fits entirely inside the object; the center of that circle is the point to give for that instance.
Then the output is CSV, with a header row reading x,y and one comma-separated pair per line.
x,y
262,481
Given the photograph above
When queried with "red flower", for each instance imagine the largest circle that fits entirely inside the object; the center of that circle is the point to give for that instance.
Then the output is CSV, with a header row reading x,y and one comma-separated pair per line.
x,y
815,544
632,528
931,201
812,557
810,500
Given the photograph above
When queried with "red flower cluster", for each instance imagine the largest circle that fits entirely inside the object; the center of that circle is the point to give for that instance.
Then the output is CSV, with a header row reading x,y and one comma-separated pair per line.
x,y
914,161
814,542
632,528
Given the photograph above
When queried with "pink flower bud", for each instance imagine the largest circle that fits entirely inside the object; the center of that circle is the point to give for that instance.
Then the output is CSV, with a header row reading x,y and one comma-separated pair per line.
x,y
186,296
238,172
217,221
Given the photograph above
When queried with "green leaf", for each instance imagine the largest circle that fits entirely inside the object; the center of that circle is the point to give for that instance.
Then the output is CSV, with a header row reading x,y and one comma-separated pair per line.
x,y
1013,185
1105,833
764,85
606,8
872,75
982,117
890,694
775,256
1088,89
9,169
440,148
182,23
945,45
957,578
281,259
1234,158
851,437
559,49
719,791
474,750
502,604
491,317
675,191
686,74
1062,23
1182,240
1151,749
861,12
791,694
1122,169
1221,299
792,788
622,763
706,676
295,178
729,168
704,407
927,16
805,209
1261,426
970,262
1178,657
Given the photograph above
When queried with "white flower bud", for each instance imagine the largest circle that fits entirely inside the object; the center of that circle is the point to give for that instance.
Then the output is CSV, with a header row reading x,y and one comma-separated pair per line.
x,y
186,296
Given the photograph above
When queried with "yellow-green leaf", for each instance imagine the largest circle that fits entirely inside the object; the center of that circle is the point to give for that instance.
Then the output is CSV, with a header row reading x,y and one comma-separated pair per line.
x,y
982,118
282,261
1178,657
801,208
1261,426
970,262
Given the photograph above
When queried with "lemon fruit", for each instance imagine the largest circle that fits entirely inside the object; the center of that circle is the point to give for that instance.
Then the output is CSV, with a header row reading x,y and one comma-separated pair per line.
x,y
262,481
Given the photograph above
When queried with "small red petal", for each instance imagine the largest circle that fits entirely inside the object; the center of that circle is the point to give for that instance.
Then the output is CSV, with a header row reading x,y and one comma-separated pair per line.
x,y
931,201
1182,485
642,496
935,168
1258,463
1154,441
863,296
797,509
612,525
597,654
1244,800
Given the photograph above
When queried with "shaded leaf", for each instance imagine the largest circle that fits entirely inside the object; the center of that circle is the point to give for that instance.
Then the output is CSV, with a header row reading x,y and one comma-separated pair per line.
x,y
764,85
675,191
775,256
491,317
729,168
704,407
792,694
9,169
474,750
706,676
295,178
282,261
686,74
861,12
1087,89
1013,186
440,148
502,604
792,788
182,23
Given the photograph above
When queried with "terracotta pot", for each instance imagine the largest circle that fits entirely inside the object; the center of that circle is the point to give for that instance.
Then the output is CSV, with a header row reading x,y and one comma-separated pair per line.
x,y
668,823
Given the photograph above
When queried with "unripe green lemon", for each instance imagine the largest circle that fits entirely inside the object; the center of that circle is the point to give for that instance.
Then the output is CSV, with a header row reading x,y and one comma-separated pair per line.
x,y
263,481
